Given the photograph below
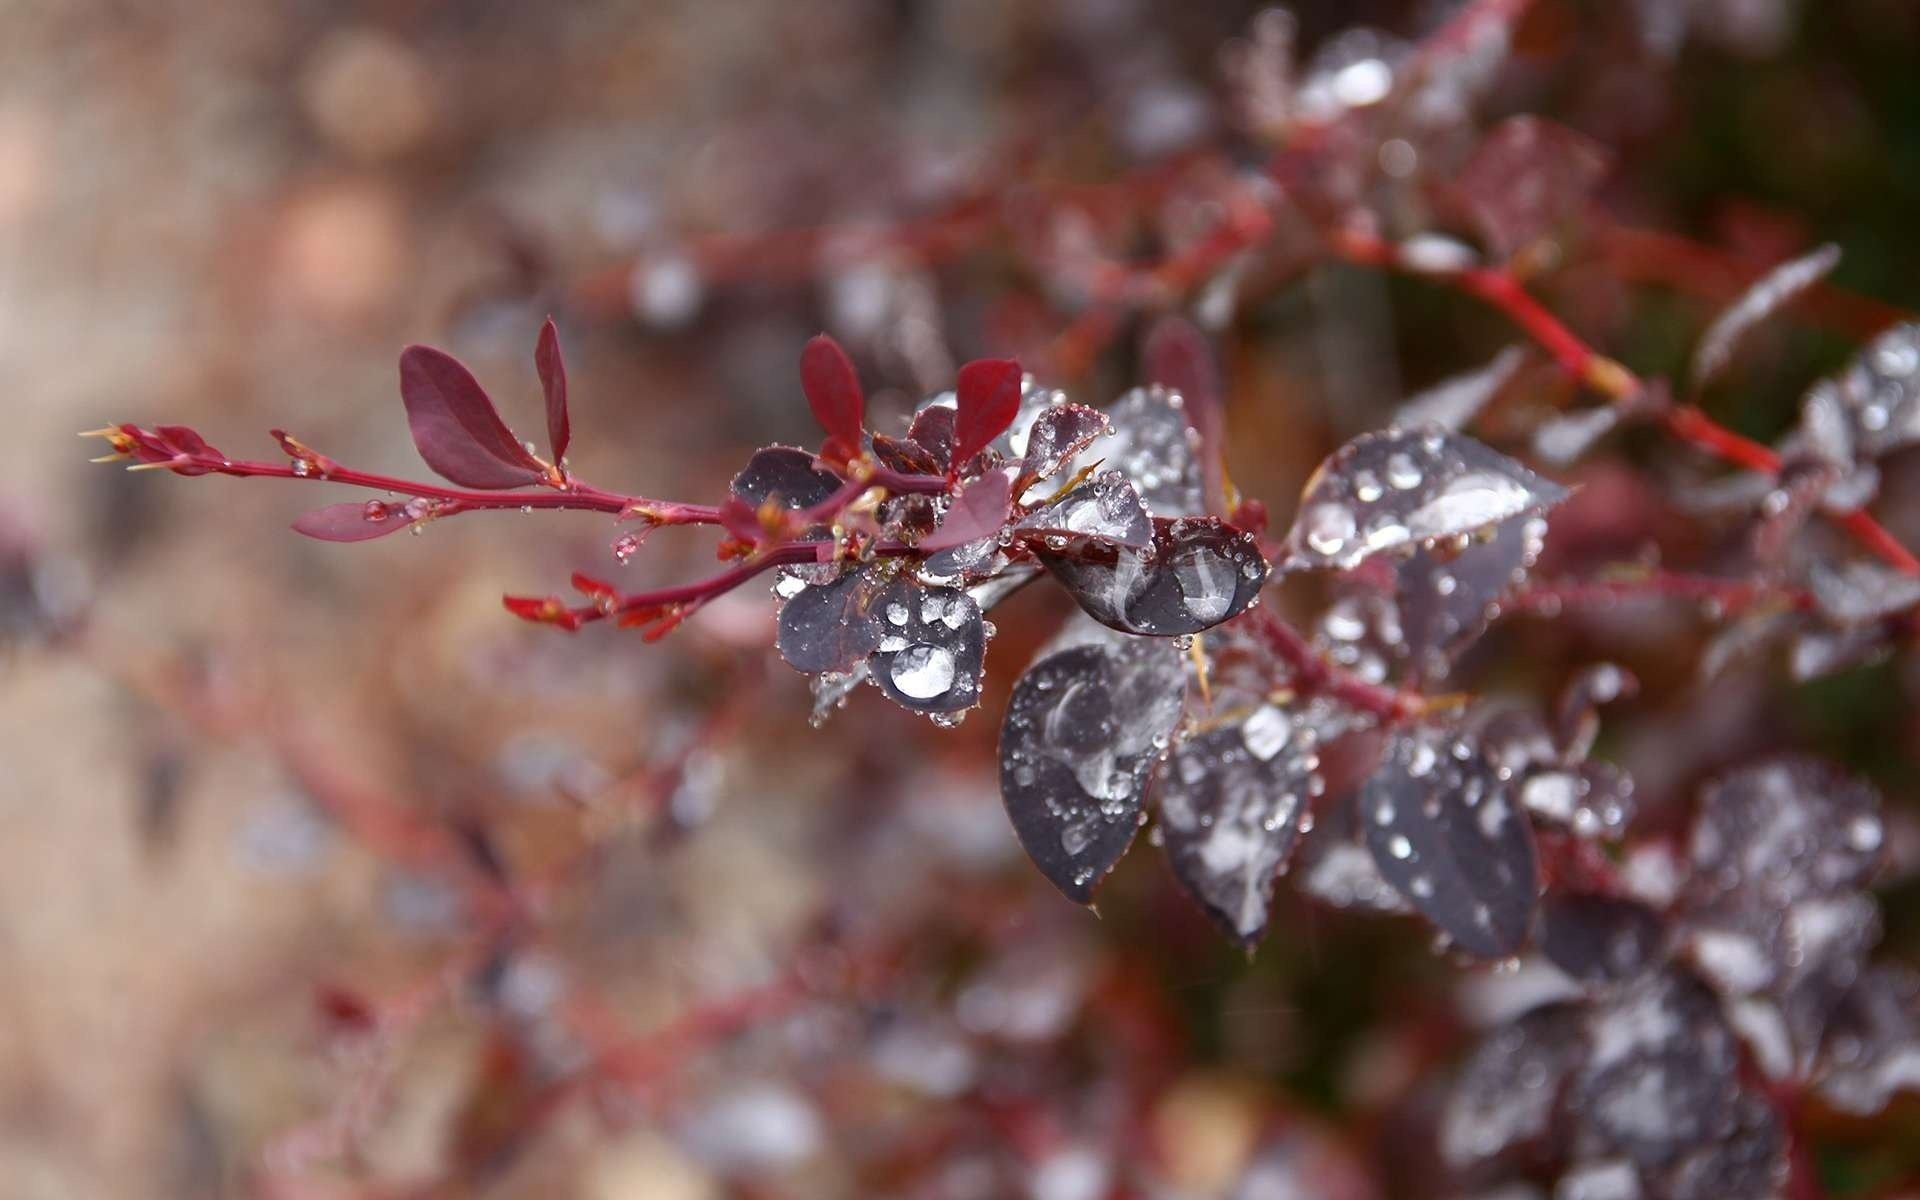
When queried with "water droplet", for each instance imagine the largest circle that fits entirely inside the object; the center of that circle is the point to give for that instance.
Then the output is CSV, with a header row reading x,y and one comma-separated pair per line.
x,y
922,671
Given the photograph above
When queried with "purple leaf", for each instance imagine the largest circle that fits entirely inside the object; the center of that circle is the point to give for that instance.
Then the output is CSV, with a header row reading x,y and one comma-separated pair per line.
x,y
786,475
455,426
1448,835
831,626
933,647
1598,938
553,381
1781,830
354,521
1230,801
1106,508
1197,573
1083,730
986,399
1508,1093
1155,446
1766,296
1453,403
1058,434
832,389
1391,491
977,512
1448,596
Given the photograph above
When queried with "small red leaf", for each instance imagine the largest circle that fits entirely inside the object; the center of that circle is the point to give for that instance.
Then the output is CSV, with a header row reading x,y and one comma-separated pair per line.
x,y
455,426
988,398
354,521
553,381
977,512
833,392
542,610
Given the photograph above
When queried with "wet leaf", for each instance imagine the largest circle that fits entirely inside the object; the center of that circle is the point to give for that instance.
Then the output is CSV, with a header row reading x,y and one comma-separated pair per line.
x,y
1526,179
1057,436
1592,799
976,514
1197,573
1452,403
1447,834
933,647
932,431
986,399
1872,1048
354,521
1335,867
455,426
1448,594
1598,938
1879,391
1507,1095
1746,1160
1566,437
1783,830
1765,297
832,388
1577,718
1860,591
1106,507
1083,730
830,626
553,382
1155,447
785,475
905,455
1390,491
1660,1081
1230,802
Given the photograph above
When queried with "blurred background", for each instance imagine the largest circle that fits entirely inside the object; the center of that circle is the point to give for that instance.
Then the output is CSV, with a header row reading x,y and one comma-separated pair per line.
x,y
321,876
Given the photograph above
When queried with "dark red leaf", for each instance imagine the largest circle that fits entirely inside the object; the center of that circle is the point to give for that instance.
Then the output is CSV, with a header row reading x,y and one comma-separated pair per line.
x,y
455,426
354,521
553,381
977,512
1526,178
987,400
933,432
833,392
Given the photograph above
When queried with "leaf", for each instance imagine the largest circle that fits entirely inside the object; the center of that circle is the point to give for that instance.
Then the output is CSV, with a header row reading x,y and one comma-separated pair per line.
x,y
455,426
1452,403
905,455
1153,445
1507,1095
354,521
1106,507
977,513
1447,834
933,647
1873,1042
553,381
786,475
1765,297
1783,829
932,431
832,389
1230,802
1525,179
830,626
1577,718
1566,437
1389,491
1057,436
1859,591
1592,799
1197,573
1083,729
1448,596
1597,938
1661,1081
986,399
1879,391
